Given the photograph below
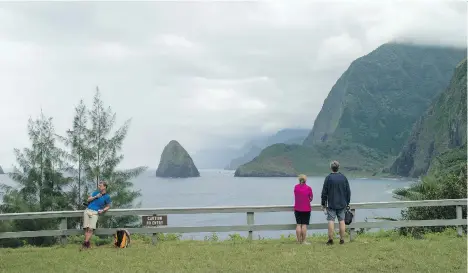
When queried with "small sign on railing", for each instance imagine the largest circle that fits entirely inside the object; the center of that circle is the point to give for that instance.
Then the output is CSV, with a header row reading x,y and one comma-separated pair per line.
x,y
154,220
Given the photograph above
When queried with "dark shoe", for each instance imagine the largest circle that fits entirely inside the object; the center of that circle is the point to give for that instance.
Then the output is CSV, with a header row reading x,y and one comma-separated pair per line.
x,y
83,246
341,241
330,242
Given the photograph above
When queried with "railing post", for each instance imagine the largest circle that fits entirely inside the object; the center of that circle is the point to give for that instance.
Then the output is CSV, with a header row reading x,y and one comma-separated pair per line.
x,y
154,238
63,227
250,221
459,216
352,231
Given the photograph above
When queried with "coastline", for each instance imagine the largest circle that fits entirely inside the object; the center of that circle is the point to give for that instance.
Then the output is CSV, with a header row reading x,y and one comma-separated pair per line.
x,y
349,174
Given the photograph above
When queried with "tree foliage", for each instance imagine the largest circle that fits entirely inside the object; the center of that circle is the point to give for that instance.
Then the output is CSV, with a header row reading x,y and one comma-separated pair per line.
x,y
104,156
446,180
76,142
41,185
49,178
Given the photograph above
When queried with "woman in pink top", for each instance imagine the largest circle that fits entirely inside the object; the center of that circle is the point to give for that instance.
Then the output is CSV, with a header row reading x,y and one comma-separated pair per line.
x,y
302,197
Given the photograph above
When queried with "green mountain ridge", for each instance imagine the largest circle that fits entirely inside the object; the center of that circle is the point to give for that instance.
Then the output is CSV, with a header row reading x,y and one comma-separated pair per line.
x,y
290,160
378,99
253,152
230,158
176,162
441,128
368,114
286,136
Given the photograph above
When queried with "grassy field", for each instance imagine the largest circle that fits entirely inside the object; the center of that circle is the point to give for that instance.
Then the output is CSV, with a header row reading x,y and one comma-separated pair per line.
x,y
380,252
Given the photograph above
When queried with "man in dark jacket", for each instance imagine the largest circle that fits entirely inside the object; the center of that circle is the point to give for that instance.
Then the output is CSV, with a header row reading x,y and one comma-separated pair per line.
x,y
336,196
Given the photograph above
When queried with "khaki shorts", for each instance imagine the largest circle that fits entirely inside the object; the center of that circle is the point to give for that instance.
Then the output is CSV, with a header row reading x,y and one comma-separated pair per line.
x,y
90,218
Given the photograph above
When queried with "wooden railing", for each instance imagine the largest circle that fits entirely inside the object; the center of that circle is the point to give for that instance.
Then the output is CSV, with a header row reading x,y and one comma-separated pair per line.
x,y
249,210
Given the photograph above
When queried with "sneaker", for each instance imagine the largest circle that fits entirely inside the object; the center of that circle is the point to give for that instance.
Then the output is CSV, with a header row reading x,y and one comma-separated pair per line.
x,y
330,242
305,243
341,241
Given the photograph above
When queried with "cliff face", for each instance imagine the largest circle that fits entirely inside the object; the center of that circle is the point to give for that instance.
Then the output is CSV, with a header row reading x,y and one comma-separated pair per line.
x,y
378,99
368,114
441,128
1,170
176,162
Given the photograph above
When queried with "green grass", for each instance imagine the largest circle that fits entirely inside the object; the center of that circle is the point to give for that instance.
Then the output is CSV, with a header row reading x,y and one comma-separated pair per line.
x,y
379,252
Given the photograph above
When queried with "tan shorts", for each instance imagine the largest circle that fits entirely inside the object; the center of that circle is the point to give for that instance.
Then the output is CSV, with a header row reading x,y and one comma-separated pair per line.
x,y
90,218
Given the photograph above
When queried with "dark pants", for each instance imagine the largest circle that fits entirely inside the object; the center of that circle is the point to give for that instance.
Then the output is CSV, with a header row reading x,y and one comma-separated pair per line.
x,y
302,217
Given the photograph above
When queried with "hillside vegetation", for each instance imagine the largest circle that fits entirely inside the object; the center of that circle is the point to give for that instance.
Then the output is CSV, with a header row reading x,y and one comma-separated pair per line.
x,y
290,160
255,147
368,114
441,128
446,179
378,99
229,158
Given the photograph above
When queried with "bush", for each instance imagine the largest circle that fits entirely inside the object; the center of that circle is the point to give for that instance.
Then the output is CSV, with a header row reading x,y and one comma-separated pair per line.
x,y
447,180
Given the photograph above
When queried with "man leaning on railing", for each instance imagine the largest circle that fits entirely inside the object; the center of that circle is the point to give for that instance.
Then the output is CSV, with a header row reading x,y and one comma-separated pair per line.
x,y
98,203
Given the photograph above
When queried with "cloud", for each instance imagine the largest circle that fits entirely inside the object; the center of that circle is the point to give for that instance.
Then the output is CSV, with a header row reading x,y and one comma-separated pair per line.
x,y
110,51
223,100
336,50
204,73
172,40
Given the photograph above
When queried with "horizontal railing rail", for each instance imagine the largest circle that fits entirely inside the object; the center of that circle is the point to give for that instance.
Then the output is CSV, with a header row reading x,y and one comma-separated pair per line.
x,y
230,209
249,210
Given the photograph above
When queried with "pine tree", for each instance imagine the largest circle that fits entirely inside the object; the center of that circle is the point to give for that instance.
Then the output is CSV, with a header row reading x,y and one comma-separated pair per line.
x,y
40,182
76,141
94,155
104,156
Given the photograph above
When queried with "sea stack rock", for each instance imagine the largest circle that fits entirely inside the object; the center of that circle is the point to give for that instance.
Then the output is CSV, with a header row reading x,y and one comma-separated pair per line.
x,y
1,170
176,162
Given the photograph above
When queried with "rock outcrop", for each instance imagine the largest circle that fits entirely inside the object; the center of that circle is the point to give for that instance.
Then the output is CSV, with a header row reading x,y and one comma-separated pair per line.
x,y
1,170
176,162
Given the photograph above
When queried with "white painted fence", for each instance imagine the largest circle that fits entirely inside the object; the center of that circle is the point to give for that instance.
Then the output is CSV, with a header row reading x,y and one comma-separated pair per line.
x,y
249,210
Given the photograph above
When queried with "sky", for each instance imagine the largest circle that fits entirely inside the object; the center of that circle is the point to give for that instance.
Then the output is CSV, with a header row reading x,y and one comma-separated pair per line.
x,y
208,74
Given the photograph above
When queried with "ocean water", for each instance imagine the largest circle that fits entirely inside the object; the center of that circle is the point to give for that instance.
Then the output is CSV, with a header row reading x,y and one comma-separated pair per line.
x,y
221,188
